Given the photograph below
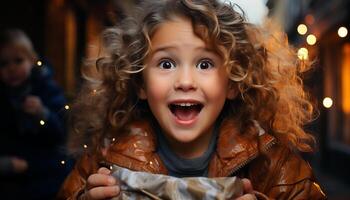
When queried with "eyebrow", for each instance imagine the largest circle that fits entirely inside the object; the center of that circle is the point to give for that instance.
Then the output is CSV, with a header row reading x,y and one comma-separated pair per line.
x,y
166,47
162,48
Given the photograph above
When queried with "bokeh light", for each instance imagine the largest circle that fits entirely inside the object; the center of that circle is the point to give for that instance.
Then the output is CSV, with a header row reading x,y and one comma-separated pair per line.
x,y
327,102
303,53
311,39
302,29
342,32
39,63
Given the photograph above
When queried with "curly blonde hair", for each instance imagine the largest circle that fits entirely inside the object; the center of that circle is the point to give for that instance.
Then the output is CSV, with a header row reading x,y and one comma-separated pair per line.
x,y
261,64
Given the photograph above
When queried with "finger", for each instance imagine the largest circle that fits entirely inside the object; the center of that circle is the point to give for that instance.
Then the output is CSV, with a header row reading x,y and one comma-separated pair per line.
x,y
247,186
100,180
247,197
104,192
104,170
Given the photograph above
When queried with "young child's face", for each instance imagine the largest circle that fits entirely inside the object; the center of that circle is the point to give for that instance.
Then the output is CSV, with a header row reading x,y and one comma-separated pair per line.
x,y
185,83
15,65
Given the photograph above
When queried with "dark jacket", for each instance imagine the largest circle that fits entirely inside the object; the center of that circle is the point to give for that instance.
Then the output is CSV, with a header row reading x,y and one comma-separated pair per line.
x,y
23,136
276,172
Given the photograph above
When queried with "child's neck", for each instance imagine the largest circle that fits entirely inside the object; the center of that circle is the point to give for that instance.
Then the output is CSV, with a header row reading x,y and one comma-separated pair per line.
x,y
192,149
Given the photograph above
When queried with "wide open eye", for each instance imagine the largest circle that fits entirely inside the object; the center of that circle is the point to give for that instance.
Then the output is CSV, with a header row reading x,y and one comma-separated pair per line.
x,y
205,64
166,64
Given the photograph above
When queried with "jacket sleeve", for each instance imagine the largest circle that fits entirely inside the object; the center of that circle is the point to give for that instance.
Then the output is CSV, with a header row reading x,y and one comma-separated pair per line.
x,y
283,174
74,185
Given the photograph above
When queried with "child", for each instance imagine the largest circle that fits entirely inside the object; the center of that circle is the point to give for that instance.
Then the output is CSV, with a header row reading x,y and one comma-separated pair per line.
x,y
188,89
31,128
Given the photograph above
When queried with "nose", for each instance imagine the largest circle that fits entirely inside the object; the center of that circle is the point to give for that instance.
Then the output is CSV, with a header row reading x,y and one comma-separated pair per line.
x,y
185,79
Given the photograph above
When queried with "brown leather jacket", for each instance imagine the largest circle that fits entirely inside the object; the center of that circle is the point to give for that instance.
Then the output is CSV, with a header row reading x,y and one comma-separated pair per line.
x,y
275,171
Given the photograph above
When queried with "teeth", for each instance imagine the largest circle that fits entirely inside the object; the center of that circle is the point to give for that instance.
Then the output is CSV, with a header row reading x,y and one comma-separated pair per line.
x,y
185,104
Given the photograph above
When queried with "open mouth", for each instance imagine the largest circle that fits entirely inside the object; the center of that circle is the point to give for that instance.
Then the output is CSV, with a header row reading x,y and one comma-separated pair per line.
x,y
185,111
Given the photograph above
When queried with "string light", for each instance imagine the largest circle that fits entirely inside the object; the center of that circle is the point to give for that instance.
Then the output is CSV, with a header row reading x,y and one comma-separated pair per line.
x,y
63,162
39,63
342,32
302,29
113,139
311,39
85,146
66,107
327,102
42,122
303,53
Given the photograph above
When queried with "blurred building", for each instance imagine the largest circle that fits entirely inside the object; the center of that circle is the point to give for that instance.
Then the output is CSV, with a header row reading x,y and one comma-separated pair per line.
x,y
66,32
321,27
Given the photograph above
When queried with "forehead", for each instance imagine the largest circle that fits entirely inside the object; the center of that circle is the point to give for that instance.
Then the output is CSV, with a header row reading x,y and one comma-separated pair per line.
x,y
178,31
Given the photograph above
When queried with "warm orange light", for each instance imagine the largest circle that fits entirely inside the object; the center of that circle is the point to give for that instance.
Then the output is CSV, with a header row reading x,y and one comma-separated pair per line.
x,y
66,107
342,32
309,19
345,79
327,102
303,53
311,39
302,29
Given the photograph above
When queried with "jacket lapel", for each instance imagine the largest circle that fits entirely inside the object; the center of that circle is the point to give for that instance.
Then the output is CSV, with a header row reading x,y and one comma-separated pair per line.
x,y
136,150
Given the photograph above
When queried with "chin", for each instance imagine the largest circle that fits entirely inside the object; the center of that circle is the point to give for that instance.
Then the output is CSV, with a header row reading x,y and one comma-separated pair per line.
x,y
184,137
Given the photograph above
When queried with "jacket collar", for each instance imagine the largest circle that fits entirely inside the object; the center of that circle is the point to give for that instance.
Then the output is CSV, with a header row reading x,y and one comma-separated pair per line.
x,y
136,149
235,149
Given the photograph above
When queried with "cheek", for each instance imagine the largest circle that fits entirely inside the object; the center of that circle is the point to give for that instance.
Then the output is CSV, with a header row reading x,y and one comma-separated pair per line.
x,y
216,87
157,87
4,74
22,73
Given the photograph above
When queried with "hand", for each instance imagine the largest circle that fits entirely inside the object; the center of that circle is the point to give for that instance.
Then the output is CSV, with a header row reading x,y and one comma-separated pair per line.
x,y
101,186
33,105
19,165
247,191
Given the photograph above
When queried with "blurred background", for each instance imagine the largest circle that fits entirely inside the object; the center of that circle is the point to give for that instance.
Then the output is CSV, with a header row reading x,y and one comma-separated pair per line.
x,y
65,32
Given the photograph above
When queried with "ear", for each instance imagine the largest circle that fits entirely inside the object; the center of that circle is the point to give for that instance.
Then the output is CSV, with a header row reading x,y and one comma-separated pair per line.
x,y
232,92
142,94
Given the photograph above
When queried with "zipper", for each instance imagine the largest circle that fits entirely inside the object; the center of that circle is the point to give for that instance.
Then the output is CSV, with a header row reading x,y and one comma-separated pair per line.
x,y
240,166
